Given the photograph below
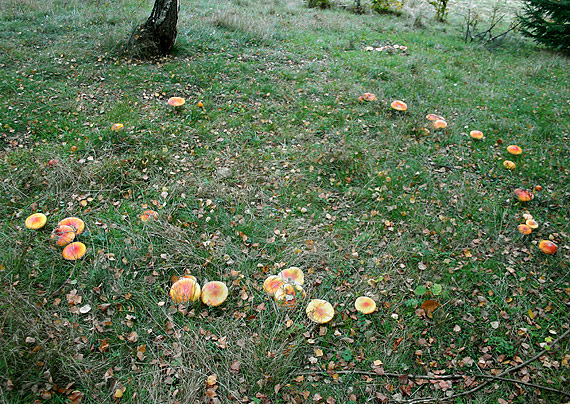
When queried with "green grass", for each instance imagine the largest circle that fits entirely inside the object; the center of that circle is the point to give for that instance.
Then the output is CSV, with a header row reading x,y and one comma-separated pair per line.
x,y
355,194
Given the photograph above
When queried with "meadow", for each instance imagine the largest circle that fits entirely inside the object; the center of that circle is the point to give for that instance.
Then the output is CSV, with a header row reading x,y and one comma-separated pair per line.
x,y
274,162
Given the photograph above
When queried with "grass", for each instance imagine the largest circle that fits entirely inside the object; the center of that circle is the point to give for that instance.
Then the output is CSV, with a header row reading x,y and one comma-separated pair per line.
x,y
355,194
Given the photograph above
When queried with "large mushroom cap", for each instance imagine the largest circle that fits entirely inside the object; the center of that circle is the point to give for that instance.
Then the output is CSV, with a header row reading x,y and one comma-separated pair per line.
x,y
365,305
288,295
523,195
36,221
320,311
399,105
476,134
533,224
547,247
74,222
148,215
434,117
74,251
63,235
367,97
293,275
214,293
524,229
439,124
272,283
117,127
176,101
185,290
509,165
514,149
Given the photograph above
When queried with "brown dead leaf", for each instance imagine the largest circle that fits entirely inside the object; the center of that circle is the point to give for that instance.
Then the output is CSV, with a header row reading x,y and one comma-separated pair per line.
x,y
429,306
133,337
140,352
235,366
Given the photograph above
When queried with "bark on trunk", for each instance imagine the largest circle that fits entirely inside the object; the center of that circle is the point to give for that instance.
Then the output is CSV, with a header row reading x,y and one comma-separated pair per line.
x,y
157,35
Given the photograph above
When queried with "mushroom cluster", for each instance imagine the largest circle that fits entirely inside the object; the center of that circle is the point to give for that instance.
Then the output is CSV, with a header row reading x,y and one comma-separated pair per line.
x,y
285,287
187,289
63,235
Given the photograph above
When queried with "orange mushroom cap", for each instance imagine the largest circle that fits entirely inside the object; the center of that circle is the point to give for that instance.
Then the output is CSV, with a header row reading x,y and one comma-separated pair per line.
x,y
214,293
476,134
367,97
523,195
547,247
75,222
524,229
287,295
538,188
63,235
399,105
176,101
365,305
532,224
272,283
434,117
440,124
509,165
148,215
117,127
514,149
74,251
292,275
36,221
320,311
185,290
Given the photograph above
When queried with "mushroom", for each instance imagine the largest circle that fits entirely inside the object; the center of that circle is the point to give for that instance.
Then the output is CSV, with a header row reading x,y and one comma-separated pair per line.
x,y
272,283
148,215
365,305
74,251
75,222
527,216
320,311
532,224
214,293
434,117
476,134
547,247
63,235
176,101
523,195
537,188
292,275
288,294
117,127
399,105
514,149
524,229
185,290
367,97
36,221
509,165
440,124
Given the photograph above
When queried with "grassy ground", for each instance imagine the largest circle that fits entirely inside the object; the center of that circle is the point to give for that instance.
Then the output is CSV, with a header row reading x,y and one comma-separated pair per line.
x,y
357,195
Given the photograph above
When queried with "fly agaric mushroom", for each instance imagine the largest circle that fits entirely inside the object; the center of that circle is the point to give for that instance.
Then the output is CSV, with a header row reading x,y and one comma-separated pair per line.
x,y
524,229
74,251
434,117
288,294
367,97
399,105
292,275
365,305
547,247
117,127
176,101
514,149
75,222
63,235
537,188
509,165
476,134
320,311
440,124
532,224
527,216
185,290
214,293
36,221
523,195
148,215
272,283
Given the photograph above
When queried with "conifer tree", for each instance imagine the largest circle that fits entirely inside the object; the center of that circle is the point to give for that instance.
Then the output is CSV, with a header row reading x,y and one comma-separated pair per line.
x,y
547,22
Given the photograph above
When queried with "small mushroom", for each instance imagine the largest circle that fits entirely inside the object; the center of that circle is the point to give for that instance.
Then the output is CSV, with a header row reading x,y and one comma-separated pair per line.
x,y
440,124
272,283
75,222
36,221
547,247
434,117
292,275
365,305
117,127
185,290
532,224
214,293
176,101
509,165
476,134
367,97
149,215
524,229
63,235
523,195
399,105
514,149
320,311
287,295
74,251
537,188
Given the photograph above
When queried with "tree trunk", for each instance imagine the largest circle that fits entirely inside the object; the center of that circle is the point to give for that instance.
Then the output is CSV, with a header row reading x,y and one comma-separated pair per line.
x,y
157,35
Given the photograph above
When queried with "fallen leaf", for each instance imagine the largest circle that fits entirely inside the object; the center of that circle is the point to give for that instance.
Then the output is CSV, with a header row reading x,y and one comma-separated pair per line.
x,y
429,306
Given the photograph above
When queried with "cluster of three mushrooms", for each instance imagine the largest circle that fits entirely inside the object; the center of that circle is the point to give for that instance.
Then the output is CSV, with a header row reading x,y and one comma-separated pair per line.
x,y
63,235
188,289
